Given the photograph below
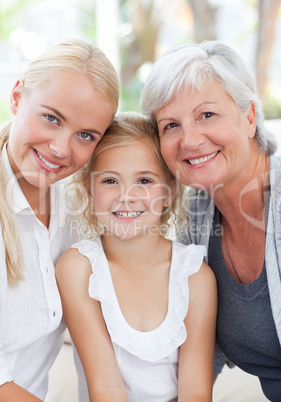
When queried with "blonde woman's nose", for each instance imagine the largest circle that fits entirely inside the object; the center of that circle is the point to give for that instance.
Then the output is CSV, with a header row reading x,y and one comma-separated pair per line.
x,y
60,147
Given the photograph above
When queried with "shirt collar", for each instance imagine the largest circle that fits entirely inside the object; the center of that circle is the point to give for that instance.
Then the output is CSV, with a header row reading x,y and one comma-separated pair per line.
x,y
15,197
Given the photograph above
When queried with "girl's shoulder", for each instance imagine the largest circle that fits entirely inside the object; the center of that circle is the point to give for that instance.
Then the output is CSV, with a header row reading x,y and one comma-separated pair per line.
x,y
92,250
187,259
78,259
88,247
189,271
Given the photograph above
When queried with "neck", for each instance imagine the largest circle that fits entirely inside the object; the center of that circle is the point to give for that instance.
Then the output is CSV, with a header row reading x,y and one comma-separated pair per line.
x,y
243,202
38,199
135,253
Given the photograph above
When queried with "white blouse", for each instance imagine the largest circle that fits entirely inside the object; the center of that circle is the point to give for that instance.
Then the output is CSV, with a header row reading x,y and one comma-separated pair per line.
x,y
30,313
148,361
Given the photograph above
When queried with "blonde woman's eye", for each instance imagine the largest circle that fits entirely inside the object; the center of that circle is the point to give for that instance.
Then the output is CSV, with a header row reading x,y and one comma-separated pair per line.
x,y
86,136
51,118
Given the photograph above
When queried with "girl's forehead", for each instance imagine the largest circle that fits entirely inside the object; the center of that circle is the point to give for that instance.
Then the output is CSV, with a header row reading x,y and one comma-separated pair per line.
x,y
132,149
114,142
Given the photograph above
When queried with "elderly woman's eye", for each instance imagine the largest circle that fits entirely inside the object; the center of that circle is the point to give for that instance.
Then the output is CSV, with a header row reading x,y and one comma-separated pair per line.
x,y
170,125
206,115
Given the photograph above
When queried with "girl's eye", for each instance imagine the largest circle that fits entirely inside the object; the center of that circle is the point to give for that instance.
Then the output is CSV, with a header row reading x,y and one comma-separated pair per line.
x,y
144,181
51,118
86,136
207,115
109,181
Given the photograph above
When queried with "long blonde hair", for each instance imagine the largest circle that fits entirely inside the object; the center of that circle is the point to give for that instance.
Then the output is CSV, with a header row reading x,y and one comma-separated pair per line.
x,y
71,55
127,128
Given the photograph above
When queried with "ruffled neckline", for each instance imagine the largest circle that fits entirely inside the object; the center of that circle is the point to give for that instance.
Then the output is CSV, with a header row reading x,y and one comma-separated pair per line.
x,y
171,333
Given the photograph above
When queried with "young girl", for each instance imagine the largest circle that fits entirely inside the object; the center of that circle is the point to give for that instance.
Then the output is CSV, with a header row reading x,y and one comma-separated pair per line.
x,y
154,340
62,107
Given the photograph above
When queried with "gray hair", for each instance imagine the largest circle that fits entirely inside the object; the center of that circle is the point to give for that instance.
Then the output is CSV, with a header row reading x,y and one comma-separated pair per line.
x,y
189,66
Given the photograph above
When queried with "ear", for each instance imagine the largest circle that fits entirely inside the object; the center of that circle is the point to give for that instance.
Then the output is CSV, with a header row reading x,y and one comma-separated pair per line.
x,y
16,96
251,117
172,192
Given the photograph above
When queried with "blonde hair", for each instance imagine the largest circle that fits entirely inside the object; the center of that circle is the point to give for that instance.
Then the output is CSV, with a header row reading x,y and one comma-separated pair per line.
x,y
71,55
13,250
127,128
79,57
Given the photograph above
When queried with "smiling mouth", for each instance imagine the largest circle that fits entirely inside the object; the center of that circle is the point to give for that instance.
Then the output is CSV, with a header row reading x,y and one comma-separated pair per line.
x,y
129,214
48,164
201,160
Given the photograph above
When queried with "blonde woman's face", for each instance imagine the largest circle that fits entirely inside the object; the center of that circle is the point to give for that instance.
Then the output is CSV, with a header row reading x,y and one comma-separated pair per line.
x,y
56,128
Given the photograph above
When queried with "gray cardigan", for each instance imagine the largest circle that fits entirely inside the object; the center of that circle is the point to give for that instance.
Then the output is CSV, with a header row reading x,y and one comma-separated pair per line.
x,y
201,217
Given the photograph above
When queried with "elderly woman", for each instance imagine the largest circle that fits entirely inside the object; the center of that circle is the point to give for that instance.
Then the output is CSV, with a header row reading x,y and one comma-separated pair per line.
x,y
205,104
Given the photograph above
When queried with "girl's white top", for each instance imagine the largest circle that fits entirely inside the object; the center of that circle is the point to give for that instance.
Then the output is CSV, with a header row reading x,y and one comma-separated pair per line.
x,y
30,313
148,361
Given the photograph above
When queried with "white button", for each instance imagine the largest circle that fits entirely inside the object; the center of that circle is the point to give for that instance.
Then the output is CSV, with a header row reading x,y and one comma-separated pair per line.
x,y
54,314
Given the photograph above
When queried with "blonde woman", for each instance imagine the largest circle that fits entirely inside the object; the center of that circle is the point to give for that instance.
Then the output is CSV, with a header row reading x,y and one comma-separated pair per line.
x,y
62,107
157,297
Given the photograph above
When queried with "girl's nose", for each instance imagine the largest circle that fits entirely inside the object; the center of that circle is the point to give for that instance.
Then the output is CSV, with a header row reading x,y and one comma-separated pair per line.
x,y
132,193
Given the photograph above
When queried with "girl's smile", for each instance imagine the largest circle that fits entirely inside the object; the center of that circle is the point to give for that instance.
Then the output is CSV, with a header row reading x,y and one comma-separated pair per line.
x,y
127,214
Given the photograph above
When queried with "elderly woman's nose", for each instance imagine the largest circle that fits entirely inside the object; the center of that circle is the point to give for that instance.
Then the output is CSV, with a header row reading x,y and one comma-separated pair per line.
x,y
192,137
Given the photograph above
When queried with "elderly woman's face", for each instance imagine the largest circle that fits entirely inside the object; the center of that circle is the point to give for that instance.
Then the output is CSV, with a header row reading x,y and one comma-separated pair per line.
x,y
205,139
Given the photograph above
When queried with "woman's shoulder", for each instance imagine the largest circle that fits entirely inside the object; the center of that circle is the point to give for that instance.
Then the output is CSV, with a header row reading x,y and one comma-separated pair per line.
x,y
275,170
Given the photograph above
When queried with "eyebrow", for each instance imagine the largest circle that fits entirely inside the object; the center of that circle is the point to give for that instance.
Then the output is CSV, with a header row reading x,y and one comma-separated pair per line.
x,y
194,110
55,111
140,173
62,117
146,172
204,103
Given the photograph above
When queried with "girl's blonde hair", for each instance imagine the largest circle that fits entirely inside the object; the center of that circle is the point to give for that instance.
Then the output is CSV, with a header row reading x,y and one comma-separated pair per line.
x,y
74,56
127,128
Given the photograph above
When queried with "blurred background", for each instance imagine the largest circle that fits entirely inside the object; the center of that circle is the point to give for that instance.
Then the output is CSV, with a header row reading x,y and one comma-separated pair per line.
x,y
133,33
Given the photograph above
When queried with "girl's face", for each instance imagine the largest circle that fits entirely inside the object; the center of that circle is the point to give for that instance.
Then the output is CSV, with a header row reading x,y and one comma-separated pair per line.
x,y
55,129
205,139
129,190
